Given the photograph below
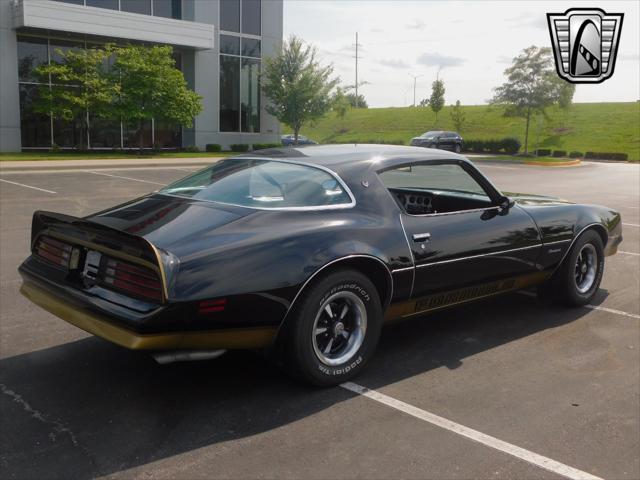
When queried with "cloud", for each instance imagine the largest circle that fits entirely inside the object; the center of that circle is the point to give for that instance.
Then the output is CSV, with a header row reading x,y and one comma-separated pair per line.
x,y
416,25
632,57
528,19
438,60
393,63
505,59
377,30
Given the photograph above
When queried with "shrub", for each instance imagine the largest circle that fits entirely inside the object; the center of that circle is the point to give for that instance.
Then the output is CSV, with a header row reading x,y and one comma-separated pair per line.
x,y
239,147
191,149
213,147
492,145
606,156
576,154
263,146
543,152
559,153
511,145
55,148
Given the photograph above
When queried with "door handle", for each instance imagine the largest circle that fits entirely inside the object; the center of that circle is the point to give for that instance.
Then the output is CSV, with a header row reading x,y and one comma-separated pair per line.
x,y
421,237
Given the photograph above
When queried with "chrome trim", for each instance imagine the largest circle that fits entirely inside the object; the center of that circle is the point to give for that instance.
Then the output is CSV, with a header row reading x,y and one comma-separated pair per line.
x,y
313,275
454,213
311,208
413,258
478,256
398,270
556,241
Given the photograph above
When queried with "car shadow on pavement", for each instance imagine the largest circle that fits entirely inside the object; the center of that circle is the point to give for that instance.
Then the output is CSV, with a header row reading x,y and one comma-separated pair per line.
x,y
88,408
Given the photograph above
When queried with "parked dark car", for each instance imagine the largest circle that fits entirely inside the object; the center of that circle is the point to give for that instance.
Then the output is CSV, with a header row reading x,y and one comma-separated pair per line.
x,y
289,140
307,252
439,139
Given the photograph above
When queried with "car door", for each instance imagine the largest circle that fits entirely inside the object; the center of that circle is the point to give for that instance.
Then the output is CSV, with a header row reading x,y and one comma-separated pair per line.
x,y
468,245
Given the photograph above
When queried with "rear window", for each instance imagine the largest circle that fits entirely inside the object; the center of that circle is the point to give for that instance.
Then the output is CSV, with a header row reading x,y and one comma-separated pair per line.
x,y
266,184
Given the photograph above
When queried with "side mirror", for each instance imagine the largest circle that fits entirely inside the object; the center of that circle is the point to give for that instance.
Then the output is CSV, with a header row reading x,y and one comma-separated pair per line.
x,y
505,203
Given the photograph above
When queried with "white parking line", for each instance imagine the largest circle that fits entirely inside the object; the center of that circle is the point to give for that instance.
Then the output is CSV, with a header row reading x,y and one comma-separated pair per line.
x,y
27,186
629,253
631,224
592,307
487,440
125,178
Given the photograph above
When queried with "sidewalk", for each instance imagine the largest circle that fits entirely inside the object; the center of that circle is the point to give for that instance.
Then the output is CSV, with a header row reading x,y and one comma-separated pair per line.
x,y
88,164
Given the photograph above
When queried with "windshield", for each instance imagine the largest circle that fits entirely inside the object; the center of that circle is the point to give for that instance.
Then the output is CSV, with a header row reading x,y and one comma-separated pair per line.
x,y
429,134
263,184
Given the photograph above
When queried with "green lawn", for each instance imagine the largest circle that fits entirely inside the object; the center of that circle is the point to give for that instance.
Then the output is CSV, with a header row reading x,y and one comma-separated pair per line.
x,y
30,156
597,127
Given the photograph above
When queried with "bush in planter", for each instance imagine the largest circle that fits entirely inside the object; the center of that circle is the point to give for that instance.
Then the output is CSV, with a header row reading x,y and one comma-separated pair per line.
x,y
543,152
239,147
191,149
559,153
606,156
264,146
511,145
576,154
213,147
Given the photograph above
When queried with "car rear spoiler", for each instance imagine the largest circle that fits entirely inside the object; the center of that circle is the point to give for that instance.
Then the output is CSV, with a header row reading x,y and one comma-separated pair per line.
x,y
94,236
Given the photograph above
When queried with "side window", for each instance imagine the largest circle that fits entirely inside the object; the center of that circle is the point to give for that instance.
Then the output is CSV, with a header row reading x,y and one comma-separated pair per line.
x,y
429,189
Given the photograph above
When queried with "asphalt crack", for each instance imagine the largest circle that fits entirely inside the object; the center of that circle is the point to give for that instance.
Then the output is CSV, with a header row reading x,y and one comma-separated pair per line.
x,y
59,428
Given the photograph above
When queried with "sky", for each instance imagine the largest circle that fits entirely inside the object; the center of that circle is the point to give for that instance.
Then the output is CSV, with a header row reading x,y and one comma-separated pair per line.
x,y
469,42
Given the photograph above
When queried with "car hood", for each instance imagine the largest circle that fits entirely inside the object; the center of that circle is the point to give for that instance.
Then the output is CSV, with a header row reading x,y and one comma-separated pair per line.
x,y
528,199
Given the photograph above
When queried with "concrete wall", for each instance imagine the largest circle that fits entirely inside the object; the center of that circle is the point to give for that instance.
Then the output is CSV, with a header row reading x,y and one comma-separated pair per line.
x,y
9,93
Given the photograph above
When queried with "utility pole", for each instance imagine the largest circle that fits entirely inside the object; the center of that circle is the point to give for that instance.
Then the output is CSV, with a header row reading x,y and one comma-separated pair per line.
x,y
356,100
415,77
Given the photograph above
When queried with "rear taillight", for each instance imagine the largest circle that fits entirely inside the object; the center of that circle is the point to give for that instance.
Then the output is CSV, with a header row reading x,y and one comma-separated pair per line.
x,y
212,306
132,279
53,251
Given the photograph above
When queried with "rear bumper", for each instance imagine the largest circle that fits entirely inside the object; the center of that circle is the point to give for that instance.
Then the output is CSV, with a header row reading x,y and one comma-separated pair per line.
x,y
100,326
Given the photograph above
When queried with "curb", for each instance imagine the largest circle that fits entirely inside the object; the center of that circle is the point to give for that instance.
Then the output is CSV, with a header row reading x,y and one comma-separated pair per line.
x,y
570,163
41,165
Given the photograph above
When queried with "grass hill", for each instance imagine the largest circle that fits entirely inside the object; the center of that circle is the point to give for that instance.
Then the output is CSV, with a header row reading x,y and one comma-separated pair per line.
x,y
597,127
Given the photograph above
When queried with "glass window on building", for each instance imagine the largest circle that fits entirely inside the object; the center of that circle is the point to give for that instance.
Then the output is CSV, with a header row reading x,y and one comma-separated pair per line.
x,y
167,134
168,8
250,95
70,133
251,17
110,4
229,45
75,2
35,128
133,132
104,132
229,93
136,6
250,47
230,15
32,52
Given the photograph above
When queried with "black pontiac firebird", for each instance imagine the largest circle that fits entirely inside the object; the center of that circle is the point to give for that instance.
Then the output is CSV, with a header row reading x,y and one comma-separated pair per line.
x,y
309,251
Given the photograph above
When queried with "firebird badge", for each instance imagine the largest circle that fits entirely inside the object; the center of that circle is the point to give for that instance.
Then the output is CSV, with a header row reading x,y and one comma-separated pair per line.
x,y
585,43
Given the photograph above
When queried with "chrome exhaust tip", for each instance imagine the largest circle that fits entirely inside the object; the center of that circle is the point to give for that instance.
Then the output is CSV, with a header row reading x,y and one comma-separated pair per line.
x,y
164,358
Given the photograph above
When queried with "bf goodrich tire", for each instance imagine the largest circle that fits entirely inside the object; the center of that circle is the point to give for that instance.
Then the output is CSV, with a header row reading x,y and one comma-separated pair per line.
x,y
334,329
578,278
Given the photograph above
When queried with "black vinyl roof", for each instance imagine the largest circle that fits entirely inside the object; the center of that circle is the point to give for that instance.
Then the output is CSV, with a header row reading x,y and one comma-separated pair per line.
x,y
345,159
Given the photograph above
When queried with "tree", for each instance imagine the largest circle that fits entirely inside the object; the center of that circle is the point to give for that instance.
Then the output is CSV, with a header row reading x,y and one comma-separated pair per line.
x,y
81,84
297,86
149,86
362,102
532,86
436,100
340,102
457,116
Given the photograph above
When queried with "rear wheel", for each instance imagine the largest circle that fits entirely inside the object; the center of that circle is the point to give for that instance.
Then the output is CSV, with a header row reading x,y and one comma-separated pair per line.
x,y
578,278
334,329
457,148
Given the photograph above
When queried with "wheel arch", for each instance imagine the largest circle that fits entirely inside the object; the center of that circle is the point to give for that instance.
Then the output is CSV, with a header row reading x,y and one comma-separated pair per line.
x,y
600,229
371,266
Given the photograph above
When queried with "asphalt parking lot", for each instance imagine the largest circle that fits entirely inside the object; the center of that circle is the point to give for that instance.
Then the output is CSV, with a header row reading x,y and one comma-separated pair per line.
x,y
549,392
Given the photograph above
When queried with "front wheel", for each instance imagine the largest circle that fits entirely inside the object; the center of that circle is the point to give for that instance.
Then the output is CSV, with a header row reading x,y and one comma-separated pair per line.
x,y
578,278
458,148
334,329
